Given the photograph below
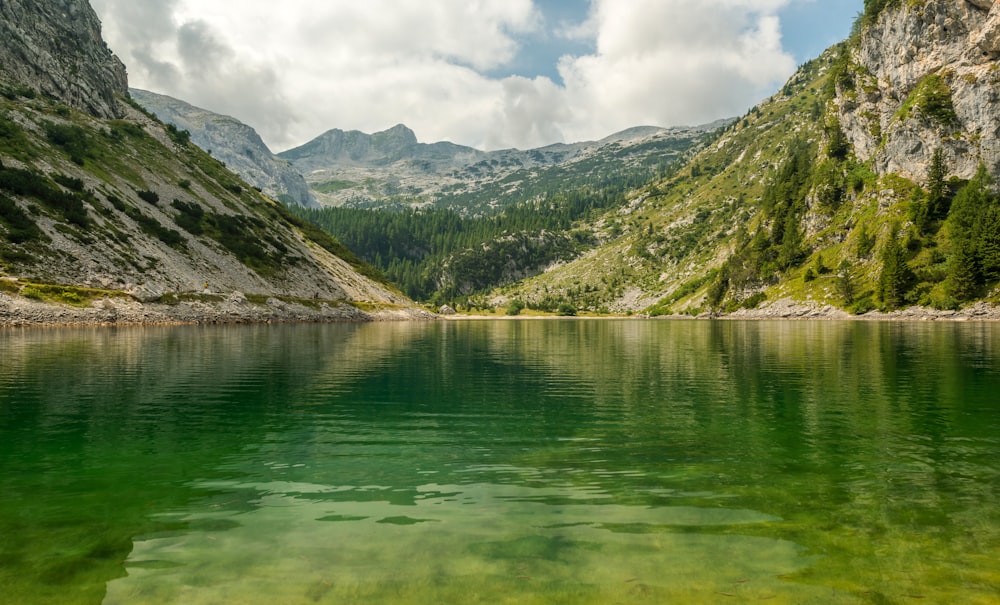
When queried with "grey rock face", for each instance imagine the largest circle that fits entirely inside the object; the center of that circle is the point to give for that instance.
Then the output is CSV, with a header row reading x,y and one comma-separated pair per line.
x,y
234,143
955,41
399,143
55,47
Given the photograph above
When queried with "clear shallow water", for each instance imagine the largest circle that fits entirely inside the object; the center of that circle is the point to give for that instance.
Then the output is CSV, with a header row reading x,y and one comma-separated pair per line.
x,y
502,462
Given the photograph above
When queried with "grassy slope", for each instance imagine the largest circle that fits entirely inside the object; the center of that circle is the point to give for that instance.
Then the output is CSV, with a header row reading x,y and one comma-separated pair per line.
x,y
102,169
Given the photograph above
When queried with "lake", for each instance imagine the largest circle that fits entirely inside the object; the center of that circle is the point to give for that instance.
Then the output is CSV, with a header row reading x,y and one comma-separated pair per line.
x,y
563,461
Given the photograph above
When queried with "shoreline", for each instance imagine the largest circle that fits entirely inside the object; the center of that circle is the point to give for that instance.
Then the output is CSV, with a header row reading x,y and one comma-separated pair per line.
x,y
786,310
19,312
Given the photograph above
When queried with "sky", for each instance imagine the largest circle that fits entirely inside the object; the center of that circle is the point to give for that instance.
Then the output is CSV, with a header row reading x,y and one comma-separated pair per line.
x,y
490,74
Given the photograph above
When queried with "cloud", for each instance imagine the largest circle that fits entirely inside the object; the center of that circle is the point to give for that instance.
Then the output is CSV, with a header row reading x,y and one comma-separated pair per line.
x,y
193,61
673,62
297,69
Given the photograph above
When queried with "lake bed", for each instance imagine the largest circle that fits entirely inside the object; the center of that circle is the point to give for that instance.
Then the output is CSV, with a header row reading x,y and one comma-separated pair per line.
x,y
570,461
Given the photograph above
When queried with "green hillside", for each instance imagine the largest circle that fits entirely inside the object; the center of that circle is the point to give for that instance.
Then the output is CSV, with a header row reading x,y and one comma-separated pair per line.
x,y
781,207
467,244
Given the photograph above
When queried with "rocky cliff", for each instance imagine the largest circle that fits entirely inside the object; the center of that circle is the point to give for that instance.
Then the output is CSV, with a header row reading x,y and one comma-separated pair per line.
x,y
54,47
234,143
923,75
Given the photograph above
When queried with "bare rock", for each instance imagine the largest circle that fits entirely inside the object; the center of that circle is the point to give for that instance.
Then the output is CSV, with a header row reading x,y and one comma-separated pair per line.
x,y
55,47
956,42
988,38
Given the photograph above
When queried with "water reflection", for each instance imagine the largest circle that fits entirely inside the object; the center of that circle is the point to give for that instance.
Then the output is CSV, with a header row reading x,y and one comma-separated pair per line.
x,y
562,461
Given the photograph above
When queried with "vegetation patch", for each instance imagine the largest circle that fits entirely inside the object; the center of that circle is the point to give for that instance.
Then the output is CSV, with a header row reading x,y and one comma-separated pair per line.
x,y
148,196
190,217
13,141
20,227
35,185
69,295
181,137
151,226
73,139
333,186
931,100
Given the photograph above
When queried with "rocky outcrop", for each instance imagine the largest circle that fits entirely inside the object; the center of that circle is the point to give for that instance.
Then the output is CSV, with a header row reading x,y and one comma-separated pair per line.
x,y
55,47
234,143
397,144
926,78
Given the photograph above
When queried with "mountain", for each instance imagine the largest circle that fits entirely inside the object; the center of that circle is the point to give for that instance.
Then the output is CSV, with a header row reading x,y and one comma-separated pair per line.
x,y
108,215
392,169
234,143
867,183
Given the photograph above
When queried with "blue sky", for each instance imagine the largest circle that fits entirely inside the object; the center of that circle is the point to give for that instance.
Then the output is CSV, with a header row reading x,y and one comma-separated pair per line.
x,y
489,74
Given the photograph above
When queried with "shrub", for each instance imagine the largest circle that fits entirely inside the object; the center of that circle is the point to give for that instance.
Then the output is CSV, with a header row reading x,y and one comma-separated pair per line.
x,y
36,185
181,137
20,227
71,183
515,307
190,217
932,100
73,139
149,196
567,310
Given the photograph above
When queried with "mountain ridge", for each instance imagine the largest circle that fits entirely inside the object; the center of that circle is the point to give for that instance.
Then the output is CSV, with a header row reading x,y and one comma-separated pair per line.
x,y
392,168
233,142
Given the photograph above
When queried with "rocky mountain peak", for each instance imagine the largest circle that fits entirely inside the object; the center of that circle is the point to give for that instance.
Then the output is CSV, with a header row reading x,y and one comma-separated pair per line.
x,y
398,135
55,47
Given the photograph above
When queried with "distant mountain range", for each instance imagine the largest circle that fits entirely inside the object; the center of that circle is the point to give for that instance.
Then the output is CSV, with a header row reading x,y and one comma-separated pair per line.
x,y
391,168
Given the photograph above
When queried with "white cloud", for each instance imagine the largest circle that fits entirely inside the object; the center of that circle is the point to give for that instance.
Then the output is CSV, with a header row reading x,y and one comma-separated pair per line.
x,y
295,69
672,62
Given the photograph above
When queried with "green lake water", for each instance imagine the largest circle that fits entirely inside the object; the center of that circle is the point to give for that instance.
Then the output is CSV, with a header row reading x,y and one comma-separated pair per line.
x,y
576,462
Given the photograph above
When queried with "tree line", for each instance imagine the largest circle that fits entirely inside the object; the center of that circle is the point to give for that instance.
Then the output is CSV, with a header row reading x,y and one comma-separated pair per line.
x,y
437,255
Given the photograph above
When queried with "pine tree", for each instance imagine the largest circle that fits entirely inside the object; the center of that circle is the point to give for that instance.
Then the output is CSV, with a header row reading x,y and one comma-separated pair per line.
x,y
845,281
967,233
937,189
988,248
963,272
896,275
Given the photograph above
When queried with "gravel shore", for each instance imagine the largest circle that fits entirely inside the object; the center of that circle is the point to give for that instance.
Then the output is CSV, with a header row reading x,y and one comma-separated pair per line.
x,y
790,309
234,308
